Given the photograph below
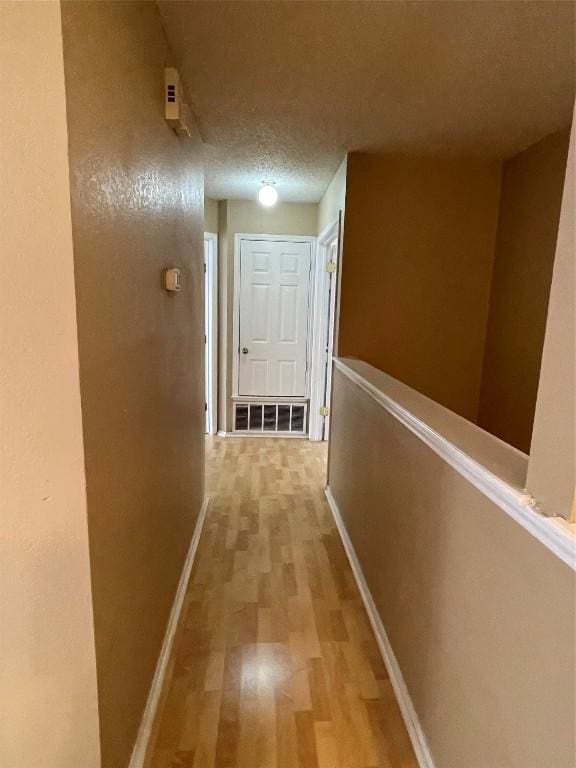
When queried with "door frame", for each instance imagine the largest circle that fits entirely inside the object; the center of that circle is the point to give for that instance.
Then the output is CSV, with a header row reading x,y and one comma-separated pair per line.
x,y
211,331
324,320
238,237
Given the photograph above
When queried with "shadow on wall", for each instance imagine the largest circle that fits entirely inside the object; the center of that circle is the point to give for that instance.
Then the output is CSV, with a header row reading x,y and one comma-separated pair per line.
x,y
419,236
532,184
446,275
141,350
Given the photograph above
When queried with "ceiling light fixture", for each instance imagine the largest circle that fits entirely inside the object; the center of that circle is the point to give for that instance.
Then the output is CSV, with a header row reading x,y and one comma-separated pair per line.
x,y
268,194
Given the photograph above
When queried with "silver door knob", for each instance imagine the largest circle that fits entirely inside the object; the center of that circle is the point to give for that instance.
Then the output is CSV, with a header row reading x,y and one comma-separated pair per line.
x,y
244,350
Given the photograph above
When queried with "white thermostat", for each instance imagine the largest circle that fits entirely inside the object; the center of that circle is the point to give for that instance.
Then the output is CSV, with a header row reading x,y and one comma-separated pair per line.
x,y
176,111
172,279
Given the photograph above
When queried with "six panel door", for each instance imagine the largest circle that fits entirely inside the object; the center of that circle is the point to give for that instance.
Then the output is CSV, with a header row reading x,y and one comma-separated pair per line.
x,y
274,297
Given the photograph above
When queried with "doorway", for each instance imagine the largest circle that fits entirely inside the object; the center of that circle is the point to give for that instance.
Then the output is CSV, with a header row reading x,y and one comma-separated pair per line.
x,y
326,290
272,334
211,330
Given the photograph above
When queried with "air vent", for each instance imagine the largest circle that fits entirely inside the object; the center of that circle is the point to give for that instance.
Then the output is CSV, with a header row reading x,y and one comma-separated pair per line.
x,y
272,418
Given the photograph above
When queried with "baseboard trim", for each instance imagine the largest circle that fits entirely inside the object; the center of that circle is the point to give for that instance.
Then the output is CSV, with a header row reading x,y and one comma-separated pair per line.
x,y
143,738
409,715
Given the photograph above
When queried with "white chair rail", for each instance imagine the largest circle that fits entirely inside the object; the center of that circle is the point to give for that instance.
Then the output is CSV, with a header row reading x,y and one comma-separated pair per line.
x,y
496,469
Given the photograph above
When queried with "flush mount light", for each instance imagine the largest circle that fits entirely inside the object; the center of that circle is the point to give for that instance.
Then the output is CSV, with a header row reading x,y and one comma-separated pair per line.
x,y
268,194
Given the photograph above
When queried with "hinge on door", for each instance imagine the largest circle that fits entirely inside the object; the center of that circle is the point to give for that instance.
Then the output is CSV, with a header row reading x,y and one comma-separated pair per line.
x,y
205,406
324,410
331,267
204,267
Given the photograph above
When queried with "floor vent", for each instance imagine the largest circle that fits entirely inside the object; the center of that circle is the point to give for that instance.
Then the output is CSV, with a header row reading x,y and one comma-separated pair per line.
x,y
273,418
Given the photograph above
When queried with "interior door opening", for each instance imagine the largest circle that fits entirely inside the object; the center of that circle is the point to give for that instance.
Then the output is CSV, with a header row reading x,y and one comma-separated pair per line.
x,y
211,330
325,301
332,254
272,333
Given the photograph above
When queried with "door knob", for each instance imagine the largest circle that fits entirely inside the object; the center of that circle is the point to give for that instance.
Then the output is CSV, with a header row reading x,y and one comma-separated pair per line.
x,y
244,350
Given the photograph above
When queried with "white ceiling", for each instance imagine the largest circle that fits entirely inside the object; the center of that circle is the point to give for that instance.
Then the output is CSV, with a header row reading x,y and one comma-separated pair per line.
x,y
282,90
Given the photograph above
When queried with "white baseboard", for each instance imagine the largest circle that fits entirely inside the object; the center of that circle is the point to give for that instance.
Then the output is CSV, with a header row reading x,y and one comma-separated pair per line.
x,y
403,697
141,745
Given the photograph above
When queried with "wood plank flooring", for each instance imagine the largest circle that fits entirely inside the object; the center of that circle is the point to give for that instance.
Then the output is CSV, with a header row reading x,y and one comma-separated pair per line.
x,y
275,664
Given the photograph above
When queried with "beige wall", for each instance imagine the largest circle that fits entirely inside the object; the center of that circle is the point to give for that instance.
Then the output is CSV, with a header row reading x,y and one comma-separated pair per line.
x,y
249,217
333,200
532,184
48,694
418,250
137,207
480,615
552,466
210,215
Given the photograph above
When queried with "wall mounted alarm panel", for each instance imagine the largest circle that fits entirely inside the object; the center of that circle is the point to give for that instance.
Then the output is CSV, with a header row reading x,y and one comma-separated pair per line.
x,y
176,111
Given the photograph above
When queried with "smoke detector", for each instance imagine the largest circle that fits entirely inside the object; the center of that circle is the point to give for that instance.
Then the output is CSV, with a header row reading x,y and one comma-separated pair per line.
x,y
176,111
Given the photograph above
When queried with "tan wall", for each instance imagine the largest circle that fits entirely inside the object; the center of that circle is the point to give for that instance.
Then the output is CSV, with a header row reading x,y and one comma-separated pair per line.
x,y
532,185
48,693
249,217
333,200
481,617
210,215
137,207
552,466
418,251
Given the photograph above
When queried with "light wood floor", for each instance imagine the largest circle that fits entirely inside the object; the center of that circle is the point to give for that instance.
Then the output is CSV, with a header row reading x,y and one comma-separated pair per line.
x,y
275,665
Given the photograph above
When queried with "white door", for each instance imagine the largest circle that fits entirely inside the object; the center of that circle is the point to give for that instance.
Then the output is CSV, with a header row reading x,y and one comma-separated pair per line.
x,y
332,262
325,299
273,319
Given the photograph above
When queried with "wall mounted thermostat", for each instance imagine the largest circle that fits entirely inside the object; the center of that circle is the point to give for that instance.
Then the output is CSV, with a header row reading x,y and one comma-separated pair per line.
x,y
172,279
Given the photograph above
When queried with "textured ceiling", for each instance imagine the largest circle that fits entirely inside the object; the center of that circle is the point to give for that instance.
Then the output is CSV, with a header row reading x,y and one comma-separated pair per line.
x,y
282,90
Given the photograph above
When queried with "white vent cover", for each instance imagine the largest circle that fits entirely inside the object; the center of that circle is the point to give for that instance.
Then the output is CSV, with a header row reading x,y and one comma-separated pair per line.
x,y
176,111
273,418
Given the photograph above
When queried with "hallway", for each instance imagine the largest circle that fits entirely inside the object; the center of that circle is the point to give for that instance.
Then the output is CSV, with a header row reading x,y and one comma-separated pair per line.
x,y
275,665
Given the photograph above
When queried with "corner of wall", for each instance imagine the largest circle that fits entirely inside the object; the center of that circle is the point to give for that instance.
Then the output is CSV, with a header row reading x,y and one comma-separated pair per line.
x,y
141,349
48,696
551,474
211,211
528,220
334,199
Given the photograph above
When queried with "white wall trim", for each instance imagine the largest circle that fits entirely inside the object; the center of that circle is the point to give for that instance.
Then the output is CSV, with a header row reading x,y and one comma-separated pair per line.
x,y
238,237
407,710
321,318
520,506
144,733
329,231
